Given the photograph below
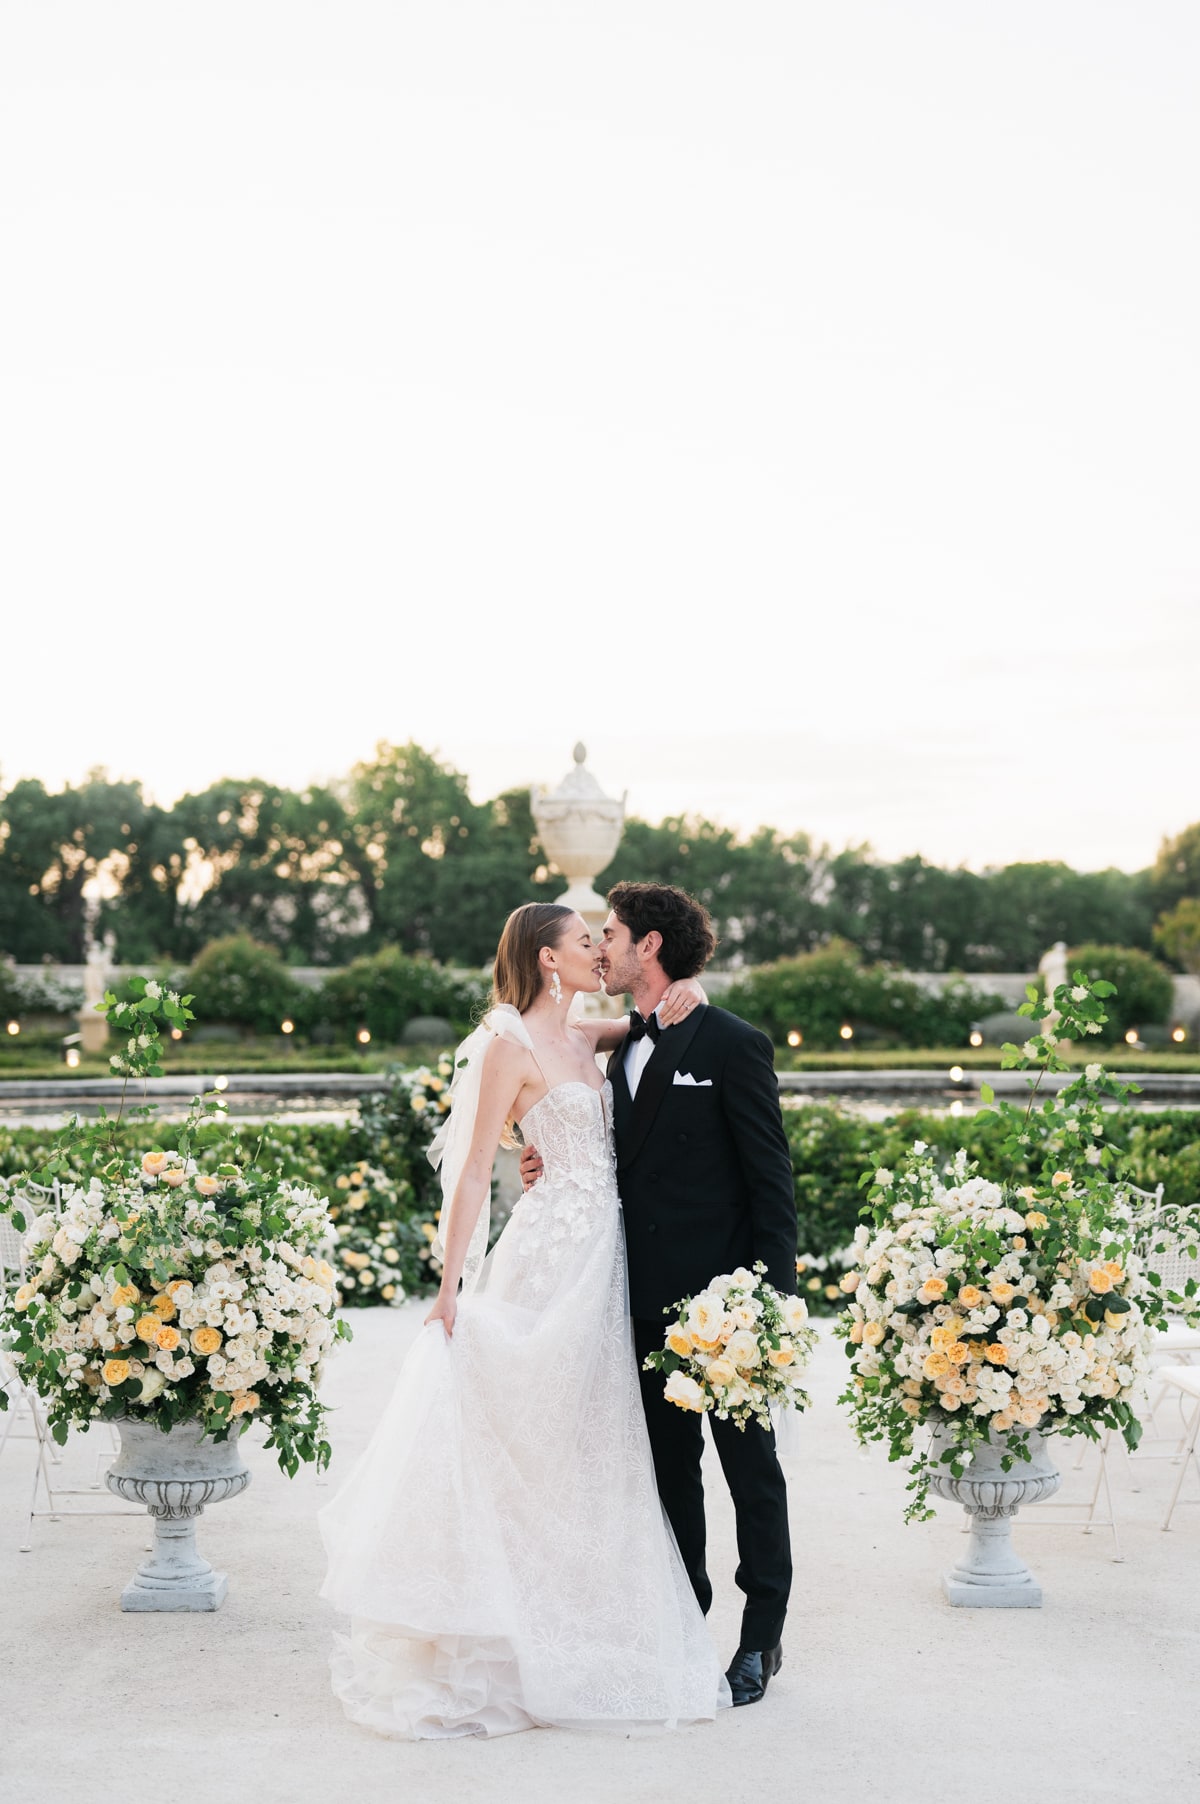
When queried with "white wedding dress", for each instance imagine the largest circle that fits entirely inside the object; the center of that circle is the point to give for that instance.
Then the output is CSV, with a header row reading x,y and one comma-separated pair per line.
x,y
500,1547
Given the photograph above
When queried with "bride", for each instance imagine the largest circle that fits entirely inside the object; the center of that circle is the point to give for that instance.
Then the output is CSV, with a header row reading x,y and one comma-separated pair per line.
x,y
500,1547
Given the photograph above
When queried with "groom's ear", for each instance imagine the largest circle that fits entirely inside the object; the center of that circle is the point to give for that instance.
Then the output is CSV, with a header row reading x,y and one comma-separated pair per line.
x,y
650,944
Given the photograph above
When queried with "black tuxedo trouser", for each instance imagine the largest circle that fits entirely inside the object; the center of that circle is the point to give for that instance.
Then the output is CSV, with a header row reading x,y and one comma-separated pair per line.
x,y
756,1484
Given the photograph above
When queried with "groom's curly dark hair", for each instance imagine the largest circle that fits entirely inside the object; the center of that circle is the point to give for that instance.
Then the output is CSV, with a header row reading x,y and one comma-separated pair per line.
x,y
688,940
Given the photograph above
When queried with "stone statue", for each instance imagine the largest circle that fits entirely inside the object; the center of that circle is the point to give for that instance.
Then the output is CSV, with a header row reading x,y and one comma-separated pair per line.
x,y
1052,968
93,1028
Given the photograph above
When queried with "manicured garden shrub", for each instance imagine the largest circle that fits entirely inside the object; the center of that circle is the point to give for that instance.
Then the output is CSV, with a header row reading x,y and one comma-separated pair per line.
x,y
820,992
1144,987
386,990
237,982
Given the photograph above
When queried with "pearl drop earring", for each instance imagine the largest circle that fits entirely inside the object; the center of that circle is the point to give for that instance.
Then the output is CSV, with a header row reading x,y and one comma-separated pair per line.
x,y
556,987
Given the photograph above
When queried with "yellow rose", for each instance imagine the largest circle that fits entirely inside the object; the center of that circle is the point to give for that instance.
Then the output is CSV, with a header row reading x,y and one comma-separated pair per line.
x,y
167,1339
950,1403
721,1372
933,1289
147,1326
24,1296
1003,1420
207,1185
1115,1270
970,1296
685,1392
1035,1219
954,1325
910,1406
125,1296
116,1371
164,1307
998,1353
941,1338
1060,1178
679,1340
418,1103
978,1352
1029,1415
1018,1243
856,1333
388,1292
781,1356
243,1402
874,1333
1002,1291
153,1164
176,1285
850,1282
1100,1282
205,1340
959,1353
174,1175
936,1365
342,1182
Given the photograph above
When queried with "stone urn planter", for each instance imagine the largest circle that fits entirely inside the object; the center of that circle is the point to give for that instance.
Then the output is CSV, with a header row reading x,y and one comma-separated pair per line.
x,y
175,1475
991,1574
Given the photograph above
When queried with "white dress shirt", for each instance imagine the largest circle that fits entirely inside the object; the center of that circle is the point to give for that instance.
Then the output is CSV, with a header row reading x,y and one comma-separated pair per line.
x,y
637,1057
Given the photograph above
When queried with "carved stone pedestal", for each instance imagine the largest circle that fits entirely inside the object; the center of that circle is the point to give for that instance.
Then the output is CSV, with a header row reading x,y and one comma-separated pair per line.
x,y
991,1574
175,1475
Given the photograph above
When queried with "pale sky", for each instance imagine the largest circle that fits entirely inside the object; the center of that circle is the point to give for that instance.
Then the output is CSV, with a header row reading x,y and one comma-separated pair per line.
x,y
798,402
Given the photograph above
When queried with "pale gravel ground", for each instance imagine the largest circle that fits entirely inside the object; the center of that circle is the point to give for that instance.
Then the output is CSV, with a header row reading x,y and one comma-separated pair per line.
x,y
887,1694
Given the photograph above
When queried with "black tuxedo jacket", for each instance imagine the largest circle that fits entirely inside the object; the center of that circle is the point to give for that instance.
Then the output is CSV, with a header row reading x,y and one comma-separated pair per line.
x,y
704,1169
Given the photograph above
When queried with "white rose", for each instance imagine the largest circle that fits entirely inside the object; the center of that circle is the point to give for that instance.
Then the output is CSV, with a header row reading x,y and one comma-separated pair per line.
x,y
743,1349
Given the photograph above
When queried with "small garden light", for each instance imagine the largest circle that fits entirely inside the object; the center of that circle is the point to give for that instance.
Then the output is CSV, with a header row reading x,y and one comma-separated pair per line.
x,y
177,1033
287,1027
1131,1037
975,1037
364,1036
956,1107
956,1074
14,1027
795,1038
1179,1035
72,1056
845,1031
220,1083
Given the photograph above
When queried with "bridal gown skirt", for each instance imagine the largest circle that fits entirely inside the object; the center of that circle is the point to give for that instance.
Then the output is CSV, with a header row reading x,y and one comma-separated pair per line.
x,y
500,1547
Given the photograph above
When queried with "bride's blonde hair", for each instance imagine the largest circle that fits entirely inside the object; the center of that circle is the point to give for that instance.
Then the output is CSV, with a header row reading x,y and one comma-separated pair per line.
x,y
517,975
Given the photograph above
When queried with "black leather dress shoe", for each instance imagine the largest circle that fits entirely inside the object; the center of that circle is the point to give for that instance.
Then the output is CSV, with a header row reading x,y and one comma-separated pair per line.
x,y
751,1672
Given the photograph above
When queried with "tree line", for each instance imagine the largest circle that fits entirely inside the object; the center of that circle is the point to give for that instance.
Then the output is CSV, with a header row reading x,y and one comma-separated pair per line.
x,y
398,854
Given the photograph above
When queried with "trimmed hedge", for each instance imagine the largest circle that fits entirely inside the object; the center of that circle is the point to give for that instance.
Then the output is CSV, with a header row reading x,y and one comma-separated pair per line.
x,y
820,992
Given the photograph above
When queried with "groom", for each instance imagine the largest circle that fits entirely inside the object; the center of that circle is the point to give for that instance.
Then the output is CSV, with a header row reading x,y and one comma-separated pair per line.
x,y
705,1177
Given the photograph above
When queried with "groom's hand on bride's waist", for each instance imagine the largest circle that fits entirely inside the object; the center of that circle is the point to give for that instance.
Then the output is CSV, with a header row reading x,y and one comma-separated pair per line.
x,y
531,1166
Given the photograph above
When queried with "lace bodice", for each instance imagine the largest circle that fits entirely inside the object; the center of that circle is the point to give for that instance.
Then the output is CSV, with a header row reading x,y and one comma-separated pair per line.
x,y
571,1126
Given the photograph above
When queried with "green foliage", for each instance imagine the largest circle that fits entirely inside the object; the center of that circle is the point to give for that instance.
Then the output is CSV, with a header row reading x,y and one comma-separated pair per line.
x,y
398,854
1178,934
819,992
1176,871
385,990
239,982
1143,986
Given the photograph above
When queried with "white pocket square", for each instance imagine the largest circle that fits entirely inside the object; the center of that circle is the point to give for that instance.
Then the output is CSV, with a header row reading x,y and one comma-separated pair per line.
x,y
698,1083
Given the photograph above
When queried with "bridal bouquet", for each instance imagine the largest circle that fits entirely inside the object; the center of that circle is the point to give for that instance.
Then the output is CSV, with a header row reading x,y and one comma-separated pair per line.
x,y
736,1347
168,1292
984,1308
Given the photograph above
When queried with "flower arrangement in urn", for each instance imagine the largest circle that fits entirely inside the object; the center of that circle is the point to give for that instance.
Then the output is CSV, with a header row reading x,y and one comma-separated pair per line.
x,y
993,1312
736,1347
172,1288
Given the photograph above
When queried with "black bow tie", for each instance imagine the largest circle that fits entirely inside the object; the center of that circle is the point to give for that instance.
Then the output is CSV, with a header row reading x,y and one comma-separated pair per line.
x,y
638,1026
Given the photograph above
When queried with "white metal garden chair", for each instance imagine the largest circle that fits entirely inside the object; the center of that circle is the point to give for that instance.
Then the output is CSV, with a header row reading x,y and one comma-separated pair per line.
x,y
1186,1379
24,1402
